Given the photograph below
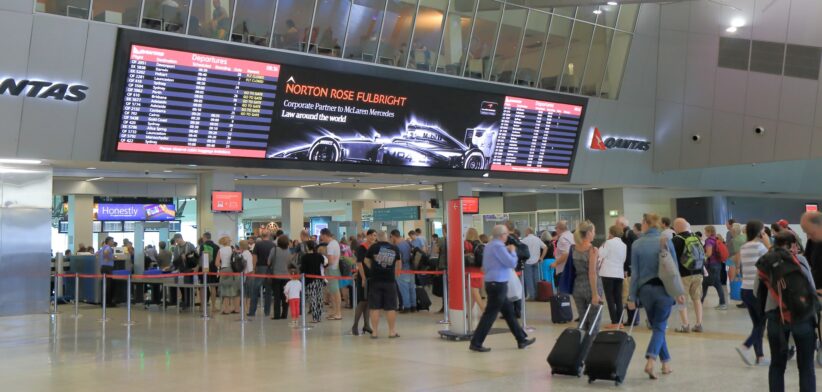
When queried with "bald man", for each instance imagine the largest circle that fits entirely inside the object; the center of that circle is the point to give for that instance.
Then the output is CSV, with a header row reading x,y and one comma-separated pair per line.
x,y
812,226
691,280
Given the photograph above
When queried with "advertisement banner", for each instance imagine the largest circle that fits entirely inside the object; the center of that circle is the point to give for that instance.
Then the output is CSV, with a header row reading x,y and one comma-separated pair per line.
x,y
456,270
134,212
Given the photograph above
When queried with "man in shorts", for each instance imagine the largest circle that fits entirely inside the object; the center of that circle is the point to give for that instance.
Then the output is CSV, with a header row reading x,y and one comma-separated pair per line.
x,y
383,263
691,280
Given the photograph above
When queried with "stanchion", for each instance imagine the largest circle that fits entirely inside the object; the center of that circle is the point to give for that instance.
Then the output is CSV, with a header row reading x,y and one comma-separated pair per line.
x,y
353,294
242,297
469,311
76,295
303,325
54,297
104,318
524,323
128,302
204,296
445,299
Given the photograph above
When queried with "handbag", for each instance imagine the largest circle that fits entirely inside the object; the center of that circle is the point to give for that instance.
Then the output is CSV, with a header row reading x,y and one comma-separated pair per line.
x,y
568,276
668,272
736,290
514,287
548,272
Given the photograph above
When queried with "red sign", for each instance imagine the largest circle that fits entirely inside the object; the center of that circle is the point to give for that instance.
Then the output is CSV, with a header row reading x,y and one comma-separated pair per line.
x,y
811,207
470,205
226,201
456,283
596,141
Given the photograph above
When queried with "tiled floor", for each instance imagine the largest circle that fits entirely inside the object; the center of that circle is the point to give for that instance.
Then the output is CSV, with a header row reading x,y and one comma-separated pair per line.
x,y
171,352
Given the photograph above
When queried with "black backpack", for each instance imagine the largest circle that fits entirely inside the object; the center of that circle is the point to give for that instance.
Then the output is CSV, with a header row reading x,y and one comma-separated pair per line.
x,y
237,262
419,259
787,285
479,250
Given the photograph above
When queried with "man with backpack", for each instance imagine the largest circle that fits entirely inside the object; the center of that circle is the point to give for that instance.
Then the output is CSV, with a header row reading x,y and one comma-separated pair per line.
x,y
716,252
691,256
785,284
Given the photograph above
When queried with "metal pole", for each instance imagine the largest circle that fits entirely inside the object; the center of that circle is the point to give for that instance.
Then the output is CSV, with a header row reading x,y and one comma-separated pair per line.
x,y
91,10
311,31
445,299
128,301
233,18
188,23
242,297
303,326
54,296
465,300
204,298
524,323
142,10
76,295
353,294
470,308
104,319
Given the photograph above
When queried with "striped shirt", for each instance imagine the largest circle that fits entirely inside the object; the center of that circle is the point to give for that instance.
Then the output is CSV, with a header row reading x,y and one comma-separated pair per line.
x,y
749,254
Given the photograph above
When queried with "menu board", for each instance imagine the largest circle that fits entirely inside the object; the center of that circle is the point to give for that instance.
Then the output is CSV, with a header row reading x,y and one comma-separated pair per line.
x,y
232,106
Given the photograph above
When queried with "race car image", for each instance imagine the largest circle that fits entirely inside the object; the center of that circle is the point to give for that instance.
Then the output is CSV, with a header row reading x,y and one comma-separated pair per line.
x,y
418,145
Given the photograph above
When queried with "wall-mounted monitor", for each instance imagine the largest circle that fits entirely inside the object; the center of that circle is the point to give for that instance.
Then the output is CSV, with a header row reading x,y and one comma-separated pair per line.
x,y
222,201
183,100
810,207
470,204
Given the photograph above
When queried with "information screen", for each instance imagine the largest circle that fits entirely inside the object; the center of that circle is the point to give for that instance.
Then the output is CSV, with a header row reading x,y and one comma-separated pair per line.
x,y
470,205
179,103
222,201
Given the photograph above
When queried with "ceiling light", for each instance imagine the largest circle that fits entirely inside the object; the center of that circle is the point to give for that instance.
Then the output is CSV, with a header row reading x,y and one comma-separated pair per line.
x,y
737,22
731,29
597,11
192,165
10,170
91,168
14,161
168,171
94,179
612,3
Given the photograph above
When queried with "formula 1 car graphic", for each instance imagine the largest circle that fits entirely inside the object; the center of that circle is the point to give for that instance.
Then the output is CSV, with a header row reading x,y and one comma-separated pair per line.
x,y
418,145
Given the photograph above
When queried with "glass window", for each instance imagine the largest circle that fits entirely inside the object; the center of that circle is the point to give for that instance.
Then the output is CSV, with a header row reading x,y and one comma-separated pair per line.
x,y
165,15
609,15
616,65
427,34
211,18
508,44
483,38
364,28
73,8
292,24
588,13
396,33
455,41
597,59
581,35
547,220
330,21
536,31
556,49
122,12
627,17
568,201
252,24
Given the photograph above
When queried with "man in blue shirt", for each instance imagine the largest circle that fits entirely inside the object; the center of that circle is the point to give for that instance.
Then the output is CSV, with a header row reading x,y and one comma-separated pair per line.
x,y
106,258
408,289
498,261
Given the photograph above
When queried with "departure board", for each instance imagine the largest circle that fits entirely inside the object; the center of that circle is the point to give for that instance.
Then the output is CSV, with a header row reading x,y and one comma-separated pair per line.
x,y
536,136
189,103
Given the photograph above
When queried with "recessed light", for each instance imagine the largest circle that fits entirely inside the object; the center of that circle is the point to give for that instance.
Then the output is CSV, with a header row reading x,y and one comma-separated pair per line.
x,y
15,161
731,29
263,175
168,171
612,3
94,179
597,11
192,165
91,168
737,22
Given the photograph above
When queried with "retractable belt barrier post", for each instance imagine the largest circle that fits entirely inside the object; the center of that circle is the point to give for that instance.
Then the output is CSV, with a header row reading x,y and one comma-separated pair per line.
x,y
204,296
104,318
242,297
54,297
524,323
76,295
446,320
469,309
303,325
353,291
128,302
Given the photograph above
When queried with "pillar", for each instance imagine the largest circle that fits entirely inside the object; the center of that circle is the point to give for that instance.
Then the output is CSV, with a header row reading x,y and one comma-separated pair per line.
x,y
356,215
292,213
80,217
207,221
456,265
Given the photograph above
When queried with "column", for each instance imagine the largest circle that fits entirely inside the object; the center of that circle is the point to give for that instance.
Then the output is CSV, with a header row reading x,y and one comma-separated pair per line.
x,y
80,217
456,265
207,221
292,212
356,215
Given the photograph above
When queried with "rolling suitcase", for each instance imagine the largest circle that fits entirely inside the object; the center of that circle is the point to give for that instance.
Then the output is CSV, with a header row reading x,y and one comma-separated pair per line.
x,y
610,355
561,312
544,291
569,352
423,302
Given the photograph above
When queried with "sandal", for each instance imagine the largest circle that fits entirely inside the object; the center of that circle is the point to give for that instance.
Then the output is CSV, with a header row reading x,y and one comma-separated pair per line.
x,y
683,329
394,336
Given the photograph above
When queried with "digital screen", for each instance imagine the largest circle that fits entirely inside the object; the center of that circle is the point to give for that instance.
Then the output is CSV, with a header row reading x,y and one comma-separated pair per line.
x,y
136,212
271,113
470,205
226,201
811,207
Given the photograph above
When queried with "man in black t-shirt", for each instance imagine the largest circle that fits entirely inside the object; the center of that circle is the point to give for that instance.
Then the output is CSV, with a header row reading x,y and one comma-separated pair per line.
x,y
691,280
359,284
628,238
383,263
262,249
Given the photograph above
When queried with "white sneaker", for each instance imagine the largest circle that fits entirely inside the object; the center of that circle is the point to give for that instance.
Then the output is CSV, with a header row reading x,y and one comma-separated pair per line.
x,y
744,353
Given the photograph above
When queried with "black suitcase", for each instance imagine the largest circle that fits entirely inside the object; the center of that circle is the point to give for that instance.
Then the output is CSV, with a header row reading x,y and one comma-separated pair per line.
x,y
610,356
569,352
561,312
423,302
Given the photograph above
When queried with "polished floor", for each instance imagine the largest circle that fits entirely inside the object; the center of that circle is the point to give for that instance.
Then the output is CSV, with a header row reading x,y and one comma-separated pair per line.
x,y
167,351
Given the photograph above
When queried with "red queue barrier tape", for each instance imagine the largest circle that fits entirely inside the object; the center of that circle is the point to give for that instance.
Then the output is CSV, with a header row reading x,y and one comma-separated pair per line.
x,y
265,276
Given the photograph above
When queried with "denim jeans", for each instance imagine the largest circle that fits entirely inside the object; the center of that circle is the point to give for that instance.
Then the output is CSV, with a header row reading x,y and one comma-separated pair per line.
x,y
714,280
658,305
531,275
758,320
408,290
805,339
256,284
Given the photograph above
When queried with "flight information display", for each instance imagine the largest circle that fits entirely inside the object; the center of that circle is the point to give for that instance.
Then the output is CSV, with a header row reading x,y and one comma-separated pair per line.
x,y
178,103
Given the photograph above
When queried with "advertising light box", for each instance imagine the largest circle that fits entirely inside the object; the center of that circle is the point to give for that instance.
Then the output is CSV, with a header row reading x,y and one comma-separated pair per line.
x,y
180,100
134,212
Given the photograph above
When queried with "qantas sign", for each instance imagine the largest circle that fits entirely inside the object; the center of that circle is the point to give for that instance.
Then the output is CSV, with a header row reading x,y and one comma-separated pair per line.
x,y
612,143
43,89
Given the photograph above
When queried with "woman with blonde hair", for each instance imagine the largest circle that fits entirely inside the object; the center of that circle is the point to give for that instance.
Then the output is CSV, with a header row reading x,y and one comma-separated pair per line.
x,y
472,241
245,251
647,288
587,285
229,285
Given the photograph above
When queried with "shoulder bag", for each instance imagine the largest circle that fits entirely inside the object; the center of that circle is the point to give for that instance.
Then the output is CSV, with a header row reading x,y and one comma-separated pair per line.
x,y
668,271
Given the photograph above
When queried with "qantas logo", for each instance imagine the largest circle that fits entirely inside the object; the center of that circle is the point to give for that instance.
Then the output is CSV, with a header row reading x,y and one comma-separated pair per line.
x,y
43,89
610,143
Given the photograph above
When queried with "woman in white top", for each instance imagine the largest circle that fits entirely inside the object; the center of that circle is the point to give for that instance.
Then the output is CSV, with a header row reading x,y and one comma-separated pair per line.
x,y
229,285
749,253
612,271
245,250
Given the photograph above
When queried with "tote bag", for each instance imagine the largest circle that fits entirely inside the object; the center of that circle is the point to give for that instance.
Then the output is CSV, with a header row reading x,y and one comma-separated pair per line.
x,y
514,287
736,290
669,272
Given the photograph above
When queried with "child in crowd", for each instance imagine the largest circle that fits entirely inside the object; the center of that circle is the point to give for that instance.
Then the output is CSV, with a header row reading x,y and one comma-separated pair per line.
x,y
292,292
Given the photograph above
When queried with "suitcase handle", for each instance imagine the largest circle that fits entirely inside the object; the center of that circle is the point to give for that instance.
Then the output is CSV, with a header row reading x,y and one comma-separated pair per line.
x,y
596,318
633,321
